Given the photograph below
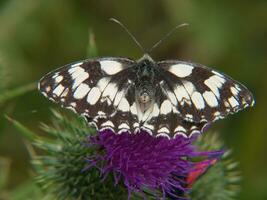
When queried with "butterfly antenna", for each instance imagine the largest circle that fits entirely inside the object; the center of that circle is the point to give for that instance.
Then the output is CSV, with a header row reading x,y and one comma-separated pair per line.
x,y
166,36
129,33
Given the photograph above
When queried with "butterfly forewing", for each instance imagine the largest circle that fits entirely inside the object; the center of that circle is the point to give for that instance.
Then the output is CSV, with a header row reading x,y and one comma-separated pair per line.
x,y
201,94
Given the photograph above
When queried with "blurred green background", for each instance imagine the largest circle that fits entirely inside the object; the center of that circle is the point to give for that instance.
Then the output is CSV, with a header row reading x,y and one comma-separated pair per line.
x,y
38,36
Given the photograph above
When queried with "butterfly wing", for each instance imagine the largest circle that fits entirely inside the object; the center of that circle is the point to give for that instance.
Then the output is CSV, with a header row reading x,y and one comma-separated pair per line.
x,y
94,88
165,119
190,96
201,94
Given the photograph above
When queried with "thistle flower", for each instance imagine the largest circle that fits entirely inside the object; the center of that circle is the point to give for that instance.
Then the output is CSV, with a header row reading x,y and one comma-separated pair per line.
x,y
143,162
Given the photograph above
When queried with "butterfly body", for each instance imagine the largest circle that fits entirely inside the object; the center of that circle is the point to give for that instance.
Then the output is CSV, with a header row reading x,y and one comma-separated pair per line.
x,y
166,98
145,86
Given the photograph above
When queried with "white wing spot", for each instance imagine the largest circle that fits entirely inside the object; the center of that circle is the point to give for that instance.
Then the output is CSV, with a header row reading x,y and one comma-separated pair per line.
x,y
166,107
237,87
55,75
172,97
215,83
217,113
179,129
175,110
155,111
118,97
81,91
234,91
133,109
111,67
110,91
124,126
181,94
149,126
198,100
124,105
189,116
75,71
169,93
181,70
101,114
65,92
107,124
73,104
48,88
210,99
93,96
233,102
190,88
163,130
58,90
136,125
58,79
226,104
80,78
102,83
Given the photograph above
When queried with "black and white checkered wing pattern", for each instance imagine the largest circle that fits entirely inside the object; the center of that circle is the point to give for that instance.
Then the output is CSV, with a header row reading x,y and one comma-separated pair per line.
x,y
186,96
201,94
93,88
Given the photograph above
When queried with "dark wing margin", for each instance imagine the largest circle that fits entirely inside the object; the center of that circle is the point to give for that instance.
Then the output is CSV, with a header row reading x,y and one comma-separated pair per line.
x,y
201,94
93,88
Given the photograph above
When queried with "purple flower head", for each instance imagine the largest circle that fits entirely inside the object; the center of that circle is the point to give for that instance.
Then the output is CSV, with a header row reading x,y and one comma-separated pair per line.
x,y
143,162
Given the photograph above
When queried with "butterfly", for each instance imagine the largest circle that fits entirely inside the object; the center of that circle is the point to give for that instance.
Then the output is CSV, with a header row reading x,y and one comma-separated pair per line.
x,y
166,98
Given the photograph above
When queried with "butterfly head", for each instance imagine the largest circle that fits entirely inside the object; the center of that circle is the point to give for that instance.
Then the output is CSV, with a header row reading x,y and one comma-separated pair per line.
x,y
145,67
146,59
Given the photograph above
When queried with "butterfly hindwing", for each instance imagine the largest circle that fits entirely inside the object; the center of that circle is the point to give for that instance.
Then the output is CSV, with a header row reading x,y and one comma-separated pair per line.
x,y
125,118
201,94
165,119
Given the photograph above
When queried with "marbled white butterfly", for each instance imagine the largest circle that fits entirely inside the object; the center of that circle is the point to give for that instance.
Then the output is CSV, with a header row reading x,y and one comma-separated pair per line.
x,y
166,98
